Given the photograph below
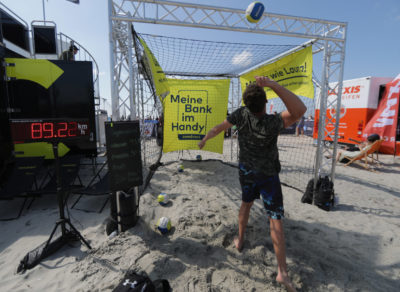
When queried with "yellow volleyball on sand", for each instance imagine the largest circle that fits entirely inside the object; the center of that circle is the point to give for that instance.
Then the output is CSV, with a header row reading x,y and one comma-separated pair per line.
x,y
164,225
163,199
254,11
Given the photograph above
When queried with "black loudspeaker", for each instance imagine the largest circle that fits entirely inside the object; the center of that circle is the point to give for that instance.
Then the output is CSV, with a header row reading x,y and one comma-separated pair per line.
x,y
124,154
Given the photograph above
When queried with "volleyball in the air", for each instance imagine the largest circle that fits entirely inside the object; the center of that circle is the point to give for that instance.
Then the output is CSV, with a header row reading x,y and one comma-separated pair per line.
x,y
198,157
254,11
164,225
163,199
180,168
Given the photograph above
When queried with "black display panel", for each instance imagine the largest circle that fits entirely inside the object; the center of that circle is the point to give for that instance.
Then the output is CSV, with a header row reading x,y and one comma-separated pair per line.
x,y
124,154
44,39
70,98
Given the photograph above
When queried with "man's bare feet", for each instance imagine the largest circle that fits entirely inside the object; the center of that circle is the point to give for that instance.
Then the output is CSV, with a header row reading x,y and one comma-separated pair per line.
x,y
238,244
285,281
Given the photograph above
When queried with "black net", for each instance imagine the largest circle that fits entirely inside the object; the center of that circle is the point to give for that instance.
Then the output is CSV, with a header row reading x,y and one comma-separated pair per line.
x,y
148,110
189,57
199,59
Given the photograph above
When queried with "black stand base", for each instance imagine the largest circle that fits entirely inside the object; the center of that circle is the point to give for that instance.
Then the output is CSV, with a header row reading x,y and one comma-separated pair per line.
x,y
68,235
51,246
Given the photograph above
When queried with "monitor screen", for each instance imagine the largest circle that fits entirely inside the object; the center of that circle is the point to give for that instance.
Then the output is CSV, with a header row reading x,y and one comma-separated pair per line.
x,y
65,110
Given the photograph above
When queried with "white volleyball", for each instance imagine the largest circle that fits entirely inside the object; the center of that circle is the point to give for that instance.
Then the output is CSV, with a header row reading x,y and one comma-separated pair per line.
x,y
255,11
164,225
163,199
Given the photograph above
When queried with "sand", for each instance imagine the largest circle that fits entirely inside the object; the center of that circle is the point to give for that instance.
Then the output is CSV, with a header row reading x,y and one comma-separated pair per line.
x,y
355,247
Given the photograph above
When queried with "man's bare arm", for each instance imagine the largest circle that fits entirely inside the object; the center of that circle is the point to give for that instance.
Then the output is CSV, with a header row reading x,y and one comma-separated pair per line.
x,y
214,132
295,107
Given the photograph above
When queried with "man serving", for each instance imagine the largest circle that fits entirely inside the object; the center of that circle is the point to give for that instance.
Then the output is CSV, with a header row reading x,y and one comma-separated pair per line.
x,y
259,164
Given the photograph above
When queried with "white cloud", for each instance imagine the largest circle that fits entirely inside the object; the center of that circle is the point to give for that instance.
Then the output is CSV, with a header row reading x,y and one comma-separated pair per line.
x,y
243,59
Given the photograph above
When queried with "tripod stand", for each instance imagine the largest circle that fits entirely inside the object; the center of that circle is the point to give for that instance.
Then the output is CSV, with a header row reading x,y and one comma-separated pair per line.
x,y
67,234
62,222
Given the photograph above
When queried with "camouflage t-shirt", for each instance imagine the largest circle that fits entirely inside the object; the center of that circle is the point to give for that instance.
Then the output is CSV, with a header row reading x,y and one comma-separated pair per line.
x,y
258,138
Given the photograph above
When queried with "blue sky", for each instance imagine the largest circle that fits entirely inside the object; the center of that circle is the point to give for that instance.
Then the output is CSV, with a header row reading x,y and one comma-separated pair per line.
x,y
373,37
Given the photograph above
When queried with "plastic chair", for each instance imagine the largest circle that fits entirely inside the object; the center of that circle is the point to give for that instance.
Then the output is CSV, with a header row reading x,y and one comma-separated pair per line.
x,y
365,154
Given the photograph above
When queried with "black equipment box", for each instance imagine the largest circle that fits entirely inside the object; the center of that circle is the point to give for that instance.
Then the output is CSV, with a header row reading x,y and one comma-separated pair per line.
x,y
124,154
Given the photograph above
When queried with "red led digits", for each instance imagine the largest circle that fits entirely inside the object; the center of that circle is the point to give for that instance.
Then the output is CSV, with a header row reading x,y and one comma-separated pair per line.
x,y
47,130
36,131
62,131
50,130
73,129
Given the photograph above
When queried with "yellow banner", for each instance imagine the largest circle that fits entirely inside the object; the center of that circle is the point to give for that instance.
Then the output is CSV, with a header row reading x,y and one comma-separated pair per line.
x,y
160,81
293,72
192,108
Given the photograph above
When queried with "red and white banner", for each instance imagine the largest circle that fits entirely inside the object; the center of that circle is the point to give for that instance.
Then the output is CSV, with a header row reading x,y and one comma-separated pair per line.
x,y
384,121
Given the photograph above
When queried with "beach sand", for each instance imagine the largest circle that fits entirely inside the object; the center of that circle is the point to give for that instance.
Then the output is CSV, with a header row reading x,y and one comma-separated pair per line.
x,y
355,247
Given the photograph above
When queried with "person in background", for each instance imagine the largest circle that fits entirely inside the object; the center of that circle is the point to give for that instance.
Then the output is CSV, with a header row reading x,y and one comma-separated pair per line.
x,y
398,128
259,164
354,151
300,126
69,55
227,132
160,130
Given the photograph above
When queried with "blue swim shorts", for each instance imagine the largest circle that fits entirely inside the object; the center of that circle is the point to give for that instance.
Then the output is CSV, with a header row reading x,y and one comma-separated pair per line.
x,y
269,187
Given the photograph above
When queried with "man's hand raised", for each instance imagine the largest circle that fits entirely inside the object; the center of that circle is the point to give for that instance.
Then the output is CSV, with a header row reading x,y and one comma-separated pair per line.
x,y
201,144
264,81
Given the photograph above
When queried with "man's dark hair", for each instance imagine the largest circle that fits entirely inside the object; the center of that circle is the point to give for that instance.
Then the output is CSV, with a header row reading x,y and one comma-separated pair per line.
x,y
73,48
373,137
254,98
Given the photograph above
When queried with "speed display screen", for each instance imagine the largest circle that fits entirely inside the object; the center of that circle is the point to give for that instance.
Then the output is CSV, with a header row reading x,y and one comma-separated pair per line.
x,y
40,105
42,130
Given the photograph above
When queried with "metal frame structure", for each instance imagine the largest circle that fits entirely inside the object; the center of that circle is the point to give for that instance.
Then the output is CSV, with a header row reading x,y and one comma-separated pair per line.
x,y
326,36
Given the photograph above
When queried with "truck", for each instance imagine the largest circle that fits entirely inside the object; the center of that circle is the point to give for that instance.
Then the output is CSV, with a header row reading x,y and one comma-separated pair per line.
x,y
360,99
